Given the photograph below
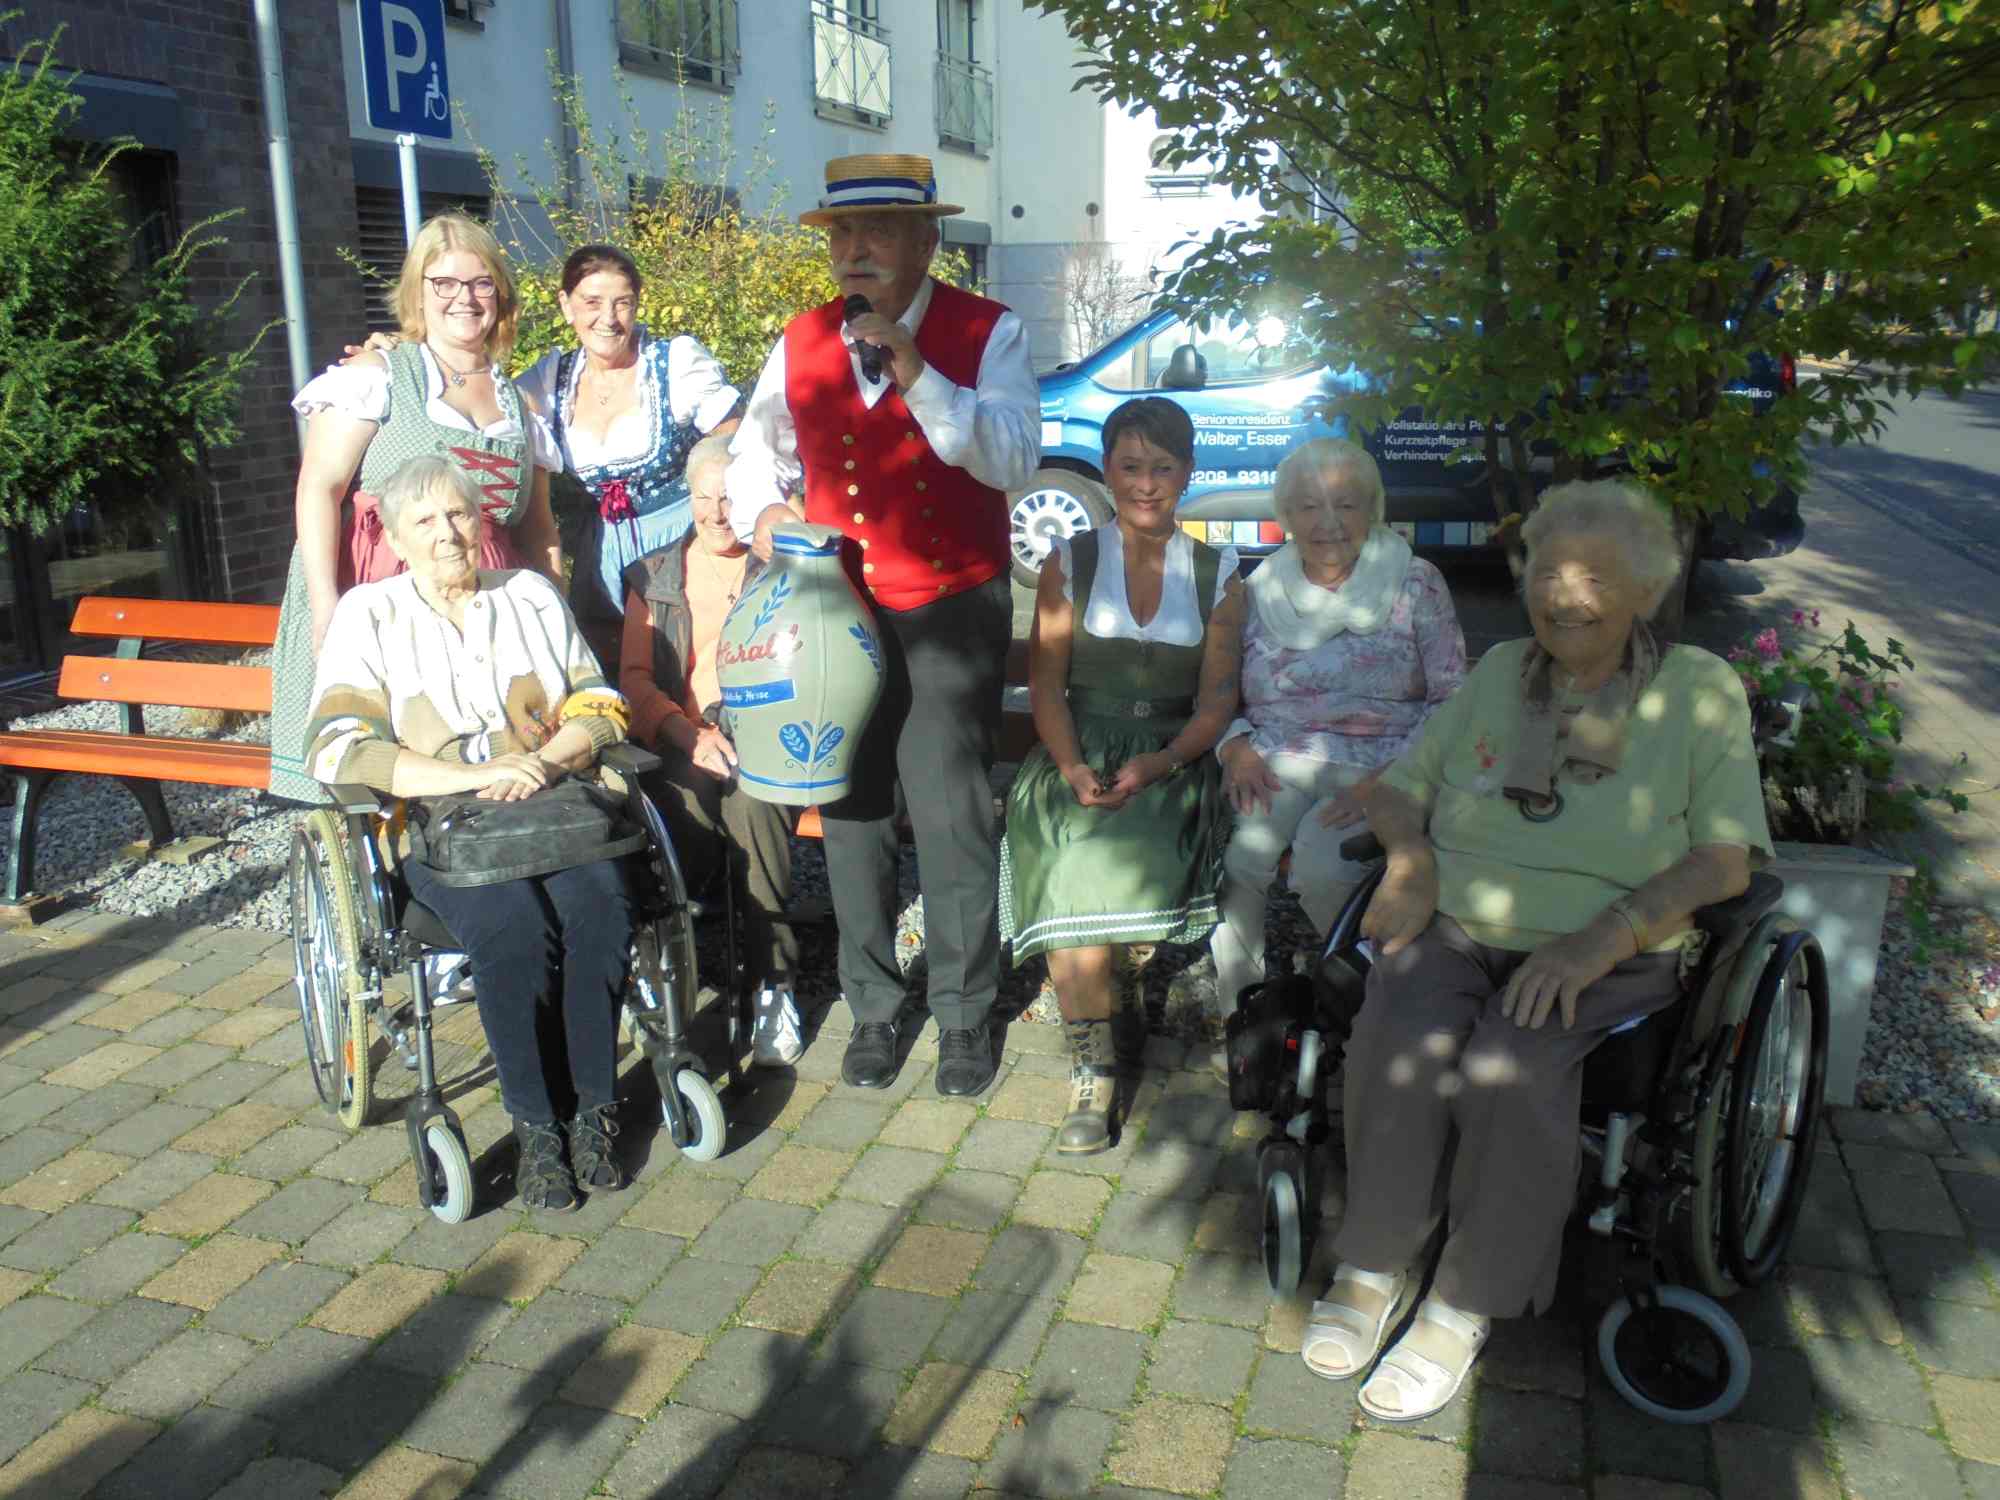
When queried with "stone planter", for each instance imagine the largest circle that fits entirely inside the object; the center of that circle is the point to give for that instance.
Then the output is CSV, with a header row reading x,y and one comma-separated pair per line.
x,y
1842,894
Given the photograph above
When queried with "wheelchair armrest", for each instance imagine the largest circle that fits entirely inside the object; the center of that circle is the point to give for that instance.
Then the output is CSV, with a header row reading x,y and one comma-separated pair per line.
x,y
354,799
1361,848
1738,912
629,760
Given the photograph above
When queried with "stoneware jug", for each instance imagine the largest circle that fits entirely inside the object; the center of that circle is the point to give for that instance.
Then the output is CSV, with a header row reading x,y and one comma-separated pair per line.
x,y
801,670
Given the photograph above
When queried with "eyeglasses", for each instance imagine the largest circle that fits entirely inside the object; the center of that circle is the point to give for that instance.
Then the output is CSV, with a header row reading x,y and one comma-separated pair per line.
x,y
447,287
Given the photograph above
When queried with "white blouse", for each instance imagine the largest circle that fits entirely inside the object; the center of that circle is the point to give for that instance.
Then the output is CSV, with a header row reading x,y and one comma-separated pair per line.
x,y
697,391
1177,622
361,391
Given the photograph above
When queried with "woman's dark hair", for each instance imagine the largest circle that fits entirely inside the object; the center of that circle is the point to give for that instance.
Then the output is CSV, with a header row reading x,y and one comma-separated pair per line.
x,y
588,260
1159,421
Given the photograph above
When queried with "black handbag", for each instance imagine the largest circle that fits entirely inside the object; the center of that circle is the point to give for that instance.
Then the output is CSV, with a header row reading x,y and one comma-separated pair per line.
x,y
469,840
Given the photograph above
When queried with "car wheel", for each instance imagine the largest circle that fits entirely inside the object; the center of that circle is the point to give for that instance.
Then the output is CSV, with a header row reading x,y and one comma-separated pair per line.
x,y
1057,503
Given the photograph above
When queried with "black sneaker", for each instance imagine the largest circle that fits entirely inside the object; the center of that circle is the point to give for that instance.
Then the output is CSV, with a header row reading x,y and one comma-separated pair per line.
x,y
965,1060
591,1155
870,1060
542,1176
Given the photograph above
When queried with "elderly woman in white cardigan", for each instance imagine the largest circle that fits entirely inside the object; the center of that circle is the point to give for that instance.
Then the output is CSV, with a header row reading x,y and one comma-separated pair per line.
x,y
1351,641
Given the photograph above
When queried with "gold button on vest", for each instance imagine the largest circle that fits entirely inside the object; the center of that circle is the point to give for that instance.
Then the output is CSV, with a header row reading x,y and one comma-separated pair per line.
x,y
859,519
847,438
854,489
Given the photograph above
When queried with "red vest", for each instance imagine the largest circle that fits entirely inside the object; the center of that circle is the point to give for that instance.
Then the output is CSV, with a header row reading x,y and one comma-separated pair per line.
x,y
918,529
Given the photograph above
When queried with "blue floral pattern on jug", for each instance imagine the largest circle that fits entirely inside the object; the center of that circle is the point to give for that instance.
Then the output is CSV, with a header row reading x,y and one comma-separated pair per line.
x,y
805,753
866,637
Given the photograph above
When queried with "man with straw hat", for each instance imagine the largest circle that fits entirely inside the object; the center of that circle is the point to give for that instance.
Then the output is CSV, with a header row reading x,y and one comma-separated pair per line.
x,y
902,413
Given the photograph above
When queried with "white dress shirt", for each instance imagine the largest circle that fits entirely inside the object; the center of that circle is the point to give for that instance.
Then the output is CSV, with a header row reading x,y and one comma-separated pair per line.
x,y
991,429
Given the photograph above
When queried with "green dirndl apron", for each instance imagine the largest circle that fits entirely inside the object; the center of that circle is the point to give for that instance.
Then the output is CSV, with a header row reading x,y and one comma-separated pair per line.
x,y
1078,877
502,467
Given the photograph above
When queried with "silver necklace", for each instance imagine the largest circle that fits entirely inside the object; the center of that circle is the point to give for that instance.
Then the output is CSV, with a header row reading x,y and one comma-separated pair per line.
x,y
453,376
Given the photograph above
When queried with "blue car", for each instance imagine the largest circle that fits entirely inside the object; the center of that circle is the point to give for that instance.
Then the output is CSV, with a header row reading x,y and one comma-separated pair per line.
x,y
1252,401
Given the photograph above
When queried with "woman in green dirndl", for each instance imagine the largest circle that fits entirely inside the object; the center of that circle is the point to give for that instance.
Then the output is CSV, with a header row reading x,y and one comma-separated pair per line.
x,y
1115,826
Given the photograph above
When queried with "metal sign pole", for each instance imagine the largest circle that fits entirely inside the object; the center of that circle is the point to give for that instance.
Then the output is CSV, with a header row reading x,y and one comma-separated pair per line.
x,y
291,276
413,210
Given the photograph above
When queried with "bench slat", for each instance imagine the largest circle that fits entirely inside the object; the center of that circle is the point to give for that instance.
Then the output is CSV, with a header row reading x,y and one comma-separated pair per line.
x,y
178,684
177,620
154,757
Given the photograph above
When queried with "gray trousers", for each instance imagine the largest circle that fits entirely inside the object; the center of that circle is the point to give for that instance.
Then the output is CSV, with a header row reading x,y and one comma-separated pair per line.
x,y
1432,1055
928,749
711,820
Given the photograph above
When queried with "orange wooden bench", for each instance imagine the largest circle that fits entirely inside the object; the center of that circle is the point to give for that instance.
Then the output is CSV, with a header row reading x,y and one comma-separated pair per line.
x,y
35,757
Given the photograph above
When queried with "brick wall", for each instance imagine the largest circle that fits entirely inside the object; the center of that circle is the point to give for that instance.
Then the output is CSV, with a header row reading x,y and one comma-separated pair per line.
x,y
206,50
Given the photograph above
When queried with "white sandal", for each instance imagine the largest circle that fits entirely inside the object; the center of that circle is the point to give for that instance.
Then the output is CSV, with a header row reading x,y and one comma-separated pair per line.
x,y
1352,1329
1422,1374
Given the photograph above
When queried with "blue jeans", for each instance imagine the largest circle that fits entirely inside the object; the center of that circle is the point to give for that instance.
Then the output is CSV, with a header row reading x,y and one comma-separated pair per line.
x,y
517,935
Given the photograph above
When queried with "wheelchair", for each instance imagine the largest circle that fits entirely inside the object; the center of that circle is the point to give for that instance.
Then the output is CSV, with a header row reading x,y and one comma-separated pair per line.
x,y
354,924
1698,1127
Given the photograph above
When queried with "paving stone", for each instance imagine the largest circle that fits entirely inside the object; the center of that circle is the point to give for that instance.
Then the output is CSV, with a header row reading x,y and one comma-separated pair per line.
x,y
1863,1378
850,1233
248,1026
31,1148
1912,1200
204,973
800,1295
1201,1361
1830,1231
1228,1224
1274,1469
1223,1289
459,1421
378,1301
1054,1451
33,1401
1978,1143
905,1474
890,1174
365,1158
1030,1262
745,1372
1287,1398
1504,1487
843,1124
178,1066
797,1476
682,1206
161,1176
119,1267
1534,1354
80,1450
292,1374
35,1324
555,1333
1881,1460
117,1338
519,1268
1391,1466
1765,1314
1031,1097
362,1235
751,1232
149,1129
405,1474
1970,1414
443,1334
558,1455
277,1298
1630,1487
299,1210
1843,1304
886,1328
453,1247
206,1206
965,1199
58,1049
800,1174
1911,1132
1175,1446
622,1263
68,1179
739,1163
1119,1291
97,1070
1753,1462
221,1086
835,1410
280,1476
179,1374
1531,1435
172,1028
1011,1147
951,1409
63,1238
1978,1196
1171,1169
632,1369
1086,1365
374,1402
1962,1340
103,1107
994,1331
1624,1438
1062,1200
683,1452
1781,1395
1929,1266
696,1296
932,1259
191,1460
929,1124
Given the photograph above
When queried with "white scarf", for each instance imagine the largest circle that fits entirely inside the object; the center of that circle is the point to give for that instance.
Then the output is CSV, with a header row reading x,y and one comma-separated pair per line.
x,y
1302,615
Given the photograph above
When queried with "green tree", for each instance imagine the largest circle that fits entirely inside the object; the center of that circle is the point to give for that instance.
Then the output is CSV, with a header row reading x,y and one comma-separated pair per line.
x,y
109,389
1577,222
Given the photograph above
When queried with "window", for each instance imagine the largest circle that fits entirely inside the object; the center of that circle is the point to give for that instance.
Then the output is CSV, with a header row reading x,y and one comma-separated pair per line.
x,y
695,40
467,12
850,62
379,215
1170,177
1230,347
956,22
964,88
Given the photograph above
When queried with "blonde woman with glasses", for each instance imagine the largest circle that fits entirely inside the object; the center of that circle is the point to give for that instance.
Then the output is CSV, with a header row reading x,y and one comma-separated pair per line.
x,y
440,392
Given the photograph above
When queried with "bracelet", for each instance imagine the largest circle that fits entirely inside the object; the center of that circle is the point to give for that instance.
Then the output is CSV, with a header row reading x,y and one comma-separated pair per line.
x,y
1174,760
1624,909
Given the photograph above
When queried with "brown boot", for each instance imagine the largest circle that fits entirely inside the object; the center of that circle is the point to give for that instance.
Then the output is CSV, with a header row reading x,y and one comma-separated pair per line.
x,y
1093,1077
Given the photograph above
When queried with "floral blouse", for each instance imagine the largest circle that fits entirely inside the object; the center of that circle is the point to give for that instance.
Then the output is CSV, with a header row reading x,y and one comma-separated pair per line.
x,y
1355,700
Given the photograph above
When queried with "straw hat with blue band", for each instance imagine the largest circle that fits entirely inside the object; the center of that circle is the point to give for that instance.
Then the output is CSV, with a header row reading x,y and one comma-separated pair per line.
x,y
879,184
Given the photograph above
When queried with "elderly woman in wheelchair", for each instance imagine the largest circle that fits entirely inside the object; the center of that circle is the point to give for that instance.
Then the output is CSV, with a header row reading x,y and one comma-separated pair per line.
x,y
445,679
1548,842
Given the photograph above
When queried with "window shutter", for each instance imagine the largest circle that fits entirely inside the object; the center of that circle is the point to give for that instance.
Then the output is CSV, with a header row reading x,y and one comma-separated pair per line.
x,y
379,216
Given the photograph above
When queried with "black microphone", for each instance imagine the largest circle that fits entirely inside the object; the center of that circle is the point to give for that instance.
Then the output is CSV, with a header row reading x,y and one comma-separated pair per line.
x,y
871,354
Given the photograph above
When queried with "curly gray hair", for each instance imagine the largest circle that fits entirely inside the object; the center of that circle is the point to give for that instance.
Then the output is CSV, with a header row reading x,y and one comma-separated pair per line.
x,y
1329,461
425,476
712,452
1622,513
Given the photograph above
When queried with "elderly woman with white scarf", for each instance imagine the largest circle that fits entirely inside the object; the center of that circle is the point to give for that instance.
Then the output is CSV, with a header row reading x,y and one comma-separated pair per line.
x,y
1350,642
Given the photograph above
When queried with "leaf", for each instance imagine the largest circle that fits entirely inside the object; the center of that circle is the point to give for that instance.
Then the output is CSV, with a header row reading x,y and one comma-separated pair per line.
x,y
794,738
1966,353
1884,144
829,741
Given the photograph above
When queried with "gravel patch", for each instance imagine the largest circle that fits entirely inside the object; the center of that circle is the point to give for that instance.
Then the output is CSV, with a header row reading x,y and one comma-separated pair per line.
x,y
1933,1038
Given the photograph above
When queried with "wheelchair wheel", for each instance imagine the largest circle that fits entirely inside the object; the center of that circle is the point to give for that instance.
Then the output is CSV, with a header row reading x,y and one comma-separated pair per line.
x,y
326,940
1281,1170
1754,1140
704,1107
1681,1359
450,1167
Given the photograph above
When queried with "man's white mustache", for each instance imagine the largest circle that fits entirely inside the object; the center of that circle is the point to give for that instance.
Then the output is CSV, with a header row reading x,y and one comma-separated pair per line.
x,y
860,268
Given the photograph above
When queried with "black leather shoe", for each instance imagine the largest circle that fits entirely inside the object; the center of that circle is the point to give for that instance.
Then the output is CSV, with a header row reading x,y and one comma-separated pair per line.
x,y
965,1060
870,1061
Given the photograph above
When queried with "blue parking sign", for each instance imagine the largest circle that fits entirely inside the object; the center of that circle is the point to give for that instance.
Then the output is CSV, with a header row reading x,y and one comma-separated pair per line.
x,y
402,66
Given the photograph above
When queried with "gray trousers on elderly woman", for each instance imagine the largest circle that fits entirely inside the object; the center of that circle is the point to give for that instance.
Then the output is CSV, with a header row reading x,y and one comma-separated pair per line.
x,y
1431,1054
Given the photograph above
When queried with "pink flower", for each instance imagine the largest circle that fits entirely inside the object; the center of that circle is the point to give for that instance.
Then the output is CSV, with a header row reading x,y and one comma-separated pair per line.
x,y
1767,645
1815,619
1798,617
1737,653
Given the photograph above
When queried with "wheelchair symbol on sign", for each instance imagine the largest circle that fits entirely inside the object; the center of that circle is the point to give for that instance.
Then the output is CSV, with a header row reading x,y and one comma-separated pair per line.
x,y
434,103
